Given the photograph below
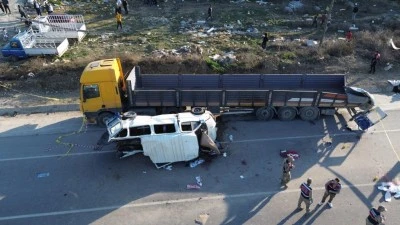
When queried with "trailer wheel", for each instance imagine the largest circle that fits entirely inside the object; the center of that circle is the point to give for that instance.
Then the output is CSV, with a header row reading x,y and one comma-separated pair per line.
x,y
309,113
265,113
103,117
287,113
198,110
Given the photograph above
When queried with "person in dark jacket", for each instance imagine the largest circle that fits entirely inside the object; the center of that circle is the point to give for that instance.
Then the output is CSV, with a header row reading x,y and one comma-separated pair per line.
x,y
6,6
374,61
265,40
125,5
209,12
48,7
332,188
375,216
36,6
355,11
21,11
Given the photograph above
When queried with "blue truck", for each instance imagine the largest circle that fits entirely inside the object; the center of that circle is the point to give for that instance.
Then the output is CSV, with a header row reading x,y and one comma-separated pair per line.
x,y
27,43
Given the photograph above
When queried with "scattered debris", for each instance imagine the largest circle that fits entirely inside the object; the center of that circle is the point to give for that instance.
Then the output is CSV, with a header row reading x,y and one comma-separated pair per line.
x,y
226,59
388,66
196,163
198,181
241,176
224,154
202,219
390,188
392,44
230,137
42,175
169,167
192,186
31,75
286,153
311,43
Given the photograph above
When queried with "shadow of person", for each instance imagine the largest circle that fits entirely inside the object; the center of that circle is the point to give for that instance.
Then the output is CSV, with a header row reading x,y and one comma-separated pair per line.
x,y
289,216
316,212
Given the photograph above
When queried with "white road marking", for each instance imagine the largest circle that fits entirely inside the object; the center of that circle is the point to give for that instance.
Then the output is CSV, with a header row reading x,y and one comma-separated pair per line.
x,y
177,201
390,142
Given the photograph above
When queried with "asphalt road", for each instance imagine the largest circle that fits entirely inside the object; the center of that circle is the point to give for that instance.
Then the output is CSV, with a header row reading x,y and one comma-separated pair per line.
x,y
45,182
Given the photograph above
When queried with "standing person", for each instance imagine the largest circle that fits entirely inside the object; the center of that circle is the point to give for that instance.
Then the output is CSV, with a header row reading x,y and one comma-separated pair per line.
x,y
265,40
323,19
119,20
6,7
355,11
21,11
374,61
1,6
287,167
349,36
314,22
49,8
36,6
332,188
375,216
125,5
118,6
209,12
305,195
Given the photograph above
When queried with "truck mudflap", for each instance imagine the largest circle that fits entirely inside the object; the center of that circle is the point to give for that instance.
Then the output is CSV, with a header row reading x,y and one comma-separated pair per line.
x,y
365,120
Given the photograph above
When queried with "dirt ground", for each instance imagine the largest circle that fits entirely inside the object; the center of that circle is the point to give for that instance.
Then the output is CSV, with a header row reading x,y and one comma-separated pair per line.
x,y
172,38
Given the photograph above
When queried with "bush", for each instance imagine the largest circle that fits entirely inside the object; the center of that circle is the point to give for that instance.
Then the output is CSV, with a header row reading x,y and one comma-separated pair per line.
x,y
215,66
338,48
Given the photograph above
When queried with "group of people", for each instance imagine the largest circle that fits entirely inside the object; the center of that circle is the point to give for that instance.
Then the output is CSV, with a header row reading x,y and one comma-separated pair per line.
x,y
332,188
4,6
38,7
118,11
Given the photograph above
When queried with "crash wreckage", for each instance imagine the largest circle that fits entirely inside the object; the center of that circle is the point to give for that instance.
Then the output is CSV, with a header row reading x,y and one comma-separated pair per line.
x,y
165,138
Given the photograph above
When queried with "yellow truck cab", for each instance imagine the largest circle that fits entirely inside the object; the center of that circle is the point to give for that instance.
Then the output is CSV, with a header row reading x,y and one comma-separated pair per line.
x,y
100,86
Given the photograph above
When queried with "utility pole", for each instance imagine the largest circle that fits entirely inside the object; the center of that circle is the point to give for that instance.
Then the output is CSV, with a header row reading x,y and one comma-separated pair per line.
x,y
329,17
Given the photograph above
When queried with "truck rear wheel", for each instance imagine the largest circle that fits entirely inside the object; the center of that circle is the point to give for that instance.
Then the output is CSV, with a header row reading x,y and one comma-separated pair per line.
x,y
287,113
309,113
265,113
103,117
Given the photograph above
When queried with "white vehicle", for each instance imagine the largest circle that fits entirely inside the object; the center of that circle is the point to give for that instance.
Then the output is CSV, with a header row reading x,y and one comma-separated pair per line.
x,y
60,26
164,138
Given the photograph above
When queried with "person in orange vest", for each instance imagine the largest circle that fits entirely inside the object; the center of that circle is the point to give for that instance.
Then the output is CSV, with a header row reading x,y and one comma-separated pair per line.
x,y
375,216
306,195
349,36
119,20
332,188
287,167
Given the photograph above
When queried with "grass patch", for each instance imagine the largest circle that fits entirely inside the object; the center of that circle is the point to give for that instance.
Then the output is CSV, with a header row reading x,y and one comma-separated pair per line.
x,y
215,66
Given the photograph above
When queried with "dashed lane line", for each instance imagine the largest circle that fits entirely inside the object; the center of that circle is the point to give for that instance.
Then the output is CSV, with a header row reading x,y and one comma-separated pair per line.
x,y
158,203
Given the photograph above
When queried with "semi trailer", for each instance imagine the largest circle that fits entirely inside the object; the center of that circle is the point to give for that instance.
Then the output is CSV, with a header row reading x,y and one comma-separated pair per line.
x,y
106,90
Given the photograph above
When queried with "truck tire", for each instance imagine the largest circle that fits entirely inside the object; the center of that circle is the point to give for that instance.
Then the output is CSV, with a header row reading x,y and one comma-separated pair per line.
x,y
103,117
198,110
287,113
265,113
309,113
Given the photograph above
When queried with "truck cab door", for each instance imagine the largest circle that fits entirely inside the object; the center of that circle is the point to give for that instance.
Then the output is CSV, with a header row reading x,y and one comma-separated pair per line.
x,y
91,99
16,49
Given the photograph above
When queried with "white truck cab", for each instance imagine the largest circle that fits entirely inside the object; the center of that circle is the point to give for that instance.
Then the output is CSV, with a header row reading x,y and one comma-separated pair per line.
x,y
164,138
